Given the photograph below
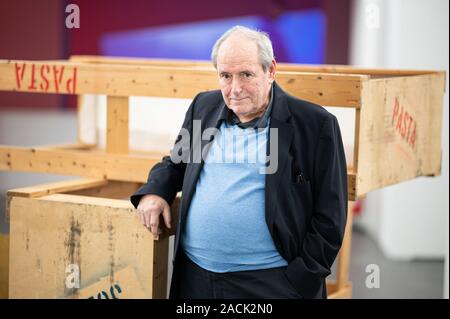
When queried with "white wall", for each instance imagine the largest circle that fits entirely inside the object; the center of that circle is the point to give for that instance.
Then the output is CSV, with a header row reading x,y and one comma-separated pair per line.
x,y
409,220
154,122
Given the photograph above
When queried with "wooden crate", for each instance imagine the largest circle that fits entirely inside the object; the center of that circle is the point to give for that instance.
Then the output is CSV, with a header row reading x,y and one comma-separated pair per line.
x,y
397,137
89,225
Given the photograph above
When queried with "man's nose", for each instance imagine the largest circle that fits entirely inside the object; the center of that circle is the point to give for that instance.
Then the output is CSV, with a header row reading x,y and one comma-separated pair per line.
x,y
236,87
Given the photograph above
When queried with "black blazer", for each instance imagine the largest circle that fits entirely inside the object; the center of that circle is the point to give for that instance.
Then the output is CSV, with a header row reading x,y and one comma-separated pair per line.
x,y
305,199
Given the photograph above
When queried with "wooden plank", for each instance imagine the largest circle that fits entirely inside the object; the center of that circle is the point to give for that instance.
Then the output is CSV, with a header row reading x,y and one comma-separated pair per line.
x,y
348,69
160,268
84,186
335,293
117,125
400,130
52,232
4,265
87,200
351,185
57,187
356,139
51,188
323,89
343,265
141,61
68,146
113,189
323,68
142,80
97,164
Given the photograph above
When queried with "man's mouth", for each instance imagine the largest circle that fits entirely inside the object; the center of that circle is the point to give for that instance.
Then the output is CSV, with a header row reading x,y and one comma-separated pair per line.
x,y
238,99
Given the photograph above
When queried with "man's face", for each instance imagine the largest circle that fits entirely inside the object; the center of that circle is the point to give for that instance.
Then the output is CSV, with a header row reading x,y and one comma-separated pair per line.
x,y
245,86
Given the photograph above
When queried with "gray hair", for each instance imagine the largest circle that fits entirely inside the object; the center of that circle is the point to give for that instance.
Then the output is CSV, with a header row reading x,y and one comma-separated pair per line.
x,y
261,39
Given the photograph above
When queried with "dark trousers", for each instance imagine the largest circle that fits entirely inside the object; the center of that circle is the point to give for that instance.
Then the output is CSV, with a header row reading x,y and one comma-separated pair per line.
x,y
199,283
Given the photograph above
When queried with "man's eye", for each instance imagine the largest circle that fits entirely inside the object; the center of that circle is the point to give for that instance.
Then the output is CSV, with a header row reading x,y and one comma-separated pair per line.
x,y
247,75
225,76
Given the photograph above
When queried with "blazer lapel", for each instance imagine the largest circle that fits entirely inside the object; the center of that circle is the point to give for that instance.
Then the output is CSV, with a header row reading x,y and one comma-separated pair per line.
x,y
279,121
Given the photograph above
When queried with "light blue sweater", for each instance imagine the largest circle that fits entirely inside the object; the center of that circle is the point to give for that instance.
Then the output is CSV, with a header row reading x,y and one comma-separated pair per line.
x,y
226,228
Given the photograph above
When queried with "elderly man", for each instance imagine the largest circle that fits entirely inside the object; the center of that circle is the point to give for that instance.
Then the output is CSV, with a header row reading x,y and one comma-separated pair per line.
x,y
251,228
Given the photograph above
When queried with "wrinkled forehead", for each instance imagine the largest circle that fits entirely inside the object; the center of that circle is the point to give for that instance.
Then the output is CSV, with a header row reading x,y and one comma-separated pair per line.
x,y
238,53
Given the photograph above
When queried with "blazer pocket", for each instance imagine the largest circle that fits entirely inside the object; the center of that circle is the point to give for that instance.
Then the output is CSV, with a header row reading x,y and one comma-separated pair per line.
x,y
301,182
298,177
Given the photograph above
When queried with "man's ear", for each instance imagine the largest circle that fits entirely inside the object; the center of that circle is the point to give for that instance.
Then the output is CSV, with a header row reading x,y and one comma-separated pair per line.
x,y
272,69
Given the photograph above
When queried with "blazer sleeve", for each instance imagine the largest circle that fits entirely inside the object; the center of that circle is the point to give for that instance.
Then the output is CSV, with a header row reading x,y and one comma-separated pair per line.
x,y
165,179
326,230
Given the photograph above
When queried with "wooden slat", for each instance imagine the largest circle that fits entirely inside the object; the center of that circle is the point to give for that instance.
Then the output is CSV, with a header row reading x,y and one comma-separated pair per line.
x,y
348,69
87,200
356,139
51,188
68,146
131,168
141,61
343,265
113,189
351,184
117,125
324,68
323,89
335,293
160,268
141,80
57,187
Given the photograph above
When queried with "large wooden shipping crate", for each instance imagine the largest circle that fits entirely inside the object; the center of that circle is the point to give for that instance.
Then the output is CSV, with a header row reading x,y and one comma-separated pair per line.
x,y
89,223
81,239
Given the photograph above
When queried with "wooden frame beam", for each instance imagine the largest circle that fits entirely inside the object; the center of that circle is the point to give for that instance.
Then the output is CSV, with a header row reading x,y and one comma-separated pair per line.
x,y
330,89
96,164
323,68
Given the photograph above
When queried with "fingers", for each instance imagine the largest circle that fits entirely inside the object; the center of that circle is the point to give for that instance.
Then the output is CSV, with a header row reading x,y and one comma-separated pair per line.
x,y
146,216
166,216
154,223
150,208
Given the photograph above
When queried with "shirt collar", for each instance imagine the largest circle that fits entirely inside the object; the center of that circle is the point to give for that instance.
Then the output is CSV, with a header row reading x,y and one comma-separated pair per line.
x,y
228,115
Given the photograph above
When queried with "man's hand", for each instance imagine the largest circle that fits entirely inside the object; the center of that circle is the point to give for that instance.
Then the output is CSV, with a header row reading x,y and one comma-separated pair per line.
x,y
150,208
